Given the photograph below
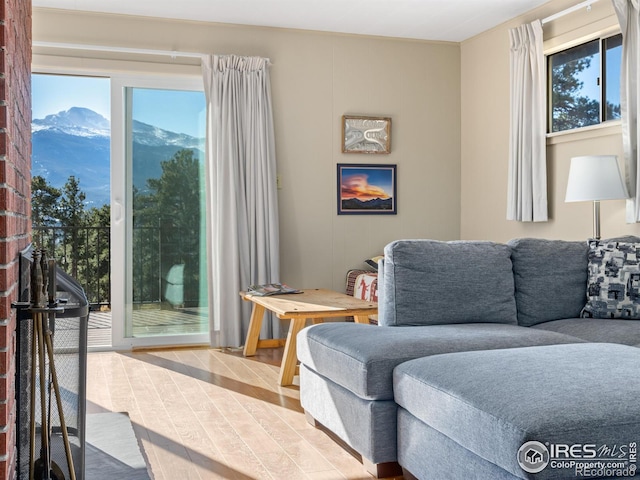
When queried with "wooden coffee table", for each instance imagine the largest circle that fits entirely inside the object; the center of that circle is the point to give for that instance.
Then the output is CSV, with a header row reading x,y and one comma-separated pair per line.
x,y
312,304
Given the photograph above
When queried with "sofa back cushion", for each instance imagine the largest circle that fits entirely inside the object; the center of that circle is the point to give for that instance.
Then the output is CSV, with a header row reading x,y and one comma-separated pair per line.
x,y
550,278
428,282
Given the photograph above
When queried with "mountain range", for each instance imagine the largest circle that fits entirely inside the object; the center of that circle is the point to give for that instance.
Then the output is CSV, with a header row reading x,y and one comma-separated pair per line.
x,y
77,142
373,204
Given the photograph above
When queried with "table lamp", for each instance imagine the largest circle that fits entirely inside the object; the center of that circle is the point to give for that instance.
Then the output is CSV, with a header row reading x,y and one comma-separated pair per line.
x,y
595,178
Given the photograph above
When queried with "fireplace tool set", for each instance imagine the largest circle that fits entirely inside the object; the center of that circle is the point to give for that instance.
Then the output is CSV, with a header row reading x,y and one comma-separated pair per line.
x,y
43,309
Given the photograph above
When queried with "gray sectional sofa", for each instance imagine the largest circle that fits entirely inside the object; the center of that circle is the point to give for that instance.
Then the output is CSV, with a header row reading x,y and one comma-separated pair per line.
x,y
464,327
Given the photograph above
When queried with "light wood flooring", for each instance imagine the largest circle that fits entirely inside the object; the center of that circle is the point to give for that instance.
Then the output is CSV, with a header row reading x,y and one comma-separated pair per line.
x,y
207,414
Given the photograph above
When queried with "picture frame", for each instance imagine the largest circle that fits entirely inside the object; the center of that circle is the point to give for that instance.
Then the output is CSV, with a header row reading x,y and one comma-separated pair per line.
x,y
367,189
362,134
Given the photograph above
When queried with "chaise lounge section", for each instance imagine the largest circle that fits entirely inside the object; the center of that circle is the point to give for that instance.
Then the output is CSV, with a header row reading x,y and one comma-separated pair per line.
x,y
546,412
436,299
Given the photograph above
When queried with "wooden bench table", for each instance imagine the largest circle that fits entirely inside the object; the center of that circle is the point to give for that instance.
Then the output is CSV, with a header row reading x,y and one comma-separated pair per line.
x,y
311,304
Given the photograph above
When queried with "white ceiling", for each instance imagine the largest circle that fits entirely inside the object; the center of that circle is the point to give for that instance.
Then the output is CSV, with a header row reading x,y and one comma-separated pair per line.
x,y
446,20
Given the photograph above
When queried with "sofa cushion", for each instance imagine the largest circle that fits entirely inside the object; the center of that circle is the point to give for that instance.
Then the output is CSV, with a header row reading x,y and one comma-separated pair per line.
x,y
550,279
625,332
613,289
428,282
361,358
493,402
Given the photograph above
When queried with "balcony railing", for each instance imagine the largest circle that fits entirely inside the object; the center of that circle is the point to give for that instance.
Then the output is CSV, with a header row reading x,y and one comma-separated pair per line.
x,y
84,253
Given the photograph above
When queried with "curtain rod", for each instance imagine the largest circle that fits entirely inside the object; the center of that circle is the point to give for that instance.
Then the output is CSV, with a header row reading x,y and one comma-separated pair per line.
x,y
562,13
104,48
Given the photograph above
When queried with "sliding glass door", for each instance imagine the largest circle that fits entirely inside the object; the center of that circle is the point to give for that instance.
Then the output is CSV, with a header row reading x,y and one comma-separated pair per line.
x,y
159,256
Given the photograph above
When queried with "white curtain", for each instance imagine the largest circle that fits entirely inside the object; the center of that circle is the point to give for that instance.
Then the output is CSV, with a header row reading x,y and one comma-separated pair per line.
x,y
242,207
628,12
527,183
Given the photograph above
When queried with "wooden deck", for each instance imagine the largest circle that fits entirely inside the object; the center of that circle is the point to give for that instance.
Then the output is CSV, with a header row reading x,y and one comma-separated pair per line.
x,y
99,330
148,321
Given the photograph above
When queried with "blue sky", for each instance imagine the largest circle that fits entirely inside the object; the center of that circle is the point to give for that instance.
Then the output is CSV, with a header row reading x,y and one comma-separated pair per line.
x,y
614,56
171,110
367,183
56,93
176,111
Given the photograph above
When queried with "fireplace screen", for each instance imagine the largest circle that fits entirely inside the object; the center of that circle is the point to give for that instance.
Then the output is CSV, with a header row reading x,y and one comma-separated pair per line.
x,y
50,372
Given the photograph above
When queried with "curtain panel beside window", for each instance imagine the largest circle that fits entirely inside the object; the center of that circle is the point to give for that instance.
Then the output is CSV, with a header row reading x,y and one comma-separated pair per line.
x,y
628,12
242,206
527,181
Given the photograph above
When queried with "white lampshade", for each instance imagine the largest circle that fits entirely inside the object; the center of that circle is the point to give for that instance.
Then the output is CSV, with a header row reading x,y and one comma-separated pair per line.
x,y
595,177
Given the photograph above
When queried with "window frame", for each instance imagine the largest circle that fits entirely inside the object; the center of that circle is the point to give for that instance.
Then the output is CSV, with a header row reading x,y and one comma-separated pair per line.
x,y
121,221
601,37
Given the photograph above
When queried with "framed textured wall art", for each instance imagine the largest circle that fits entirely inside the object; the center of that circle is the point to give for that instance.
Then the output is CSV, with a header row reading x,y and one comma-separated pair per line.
x,y
367,189
366,134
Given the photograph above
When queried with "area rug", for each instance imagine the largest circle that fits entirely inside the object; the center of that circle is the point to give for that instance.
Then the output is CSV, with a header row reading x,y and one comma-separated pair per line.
x,y
112,449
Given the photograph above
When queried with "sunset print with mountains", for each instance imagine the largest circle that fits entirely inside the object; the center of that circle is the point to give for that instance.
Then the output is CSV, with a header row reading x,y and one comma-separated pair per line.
x,y
366,189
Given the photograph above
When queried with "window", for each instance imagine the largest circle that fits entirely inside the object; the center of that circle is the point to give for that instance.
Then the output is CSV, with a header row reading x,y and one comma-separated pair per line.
x,y
118,198
584,84
159,281
164,192
70,165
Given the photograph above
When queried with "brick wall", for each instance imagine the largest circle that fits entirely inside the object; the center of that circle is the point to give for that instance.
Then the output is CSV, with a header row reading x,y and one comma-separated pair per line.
x,y
15,194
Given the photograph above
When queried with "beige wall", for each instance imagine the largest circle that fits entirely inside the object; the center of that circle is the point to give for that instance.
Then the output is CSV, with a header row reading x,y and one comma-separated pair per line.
x,y
485,136
316,78
450,109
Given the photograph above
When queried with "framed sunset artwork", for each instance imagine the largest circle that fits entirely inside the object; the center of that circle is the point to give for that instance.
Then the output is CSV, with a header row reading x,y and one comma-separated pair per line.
x,y
366,189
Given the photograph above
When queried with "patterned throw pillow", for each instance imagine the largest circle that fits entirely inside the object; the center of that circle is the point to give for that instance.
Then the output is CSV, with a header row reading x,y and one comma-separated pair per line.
x,y
613,288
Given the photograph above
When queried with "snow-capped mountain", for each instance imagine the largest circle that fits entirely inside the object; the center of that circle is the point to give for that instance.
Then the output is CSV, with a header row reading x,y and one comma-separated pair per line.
x,y
145,134
76,121
77,142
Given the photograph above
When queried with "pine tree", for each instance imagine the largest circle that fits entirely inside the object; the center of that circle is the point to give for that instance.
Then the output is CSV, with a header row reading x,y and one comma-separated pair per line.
x,y
44,203
78,239
570,108
170,206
